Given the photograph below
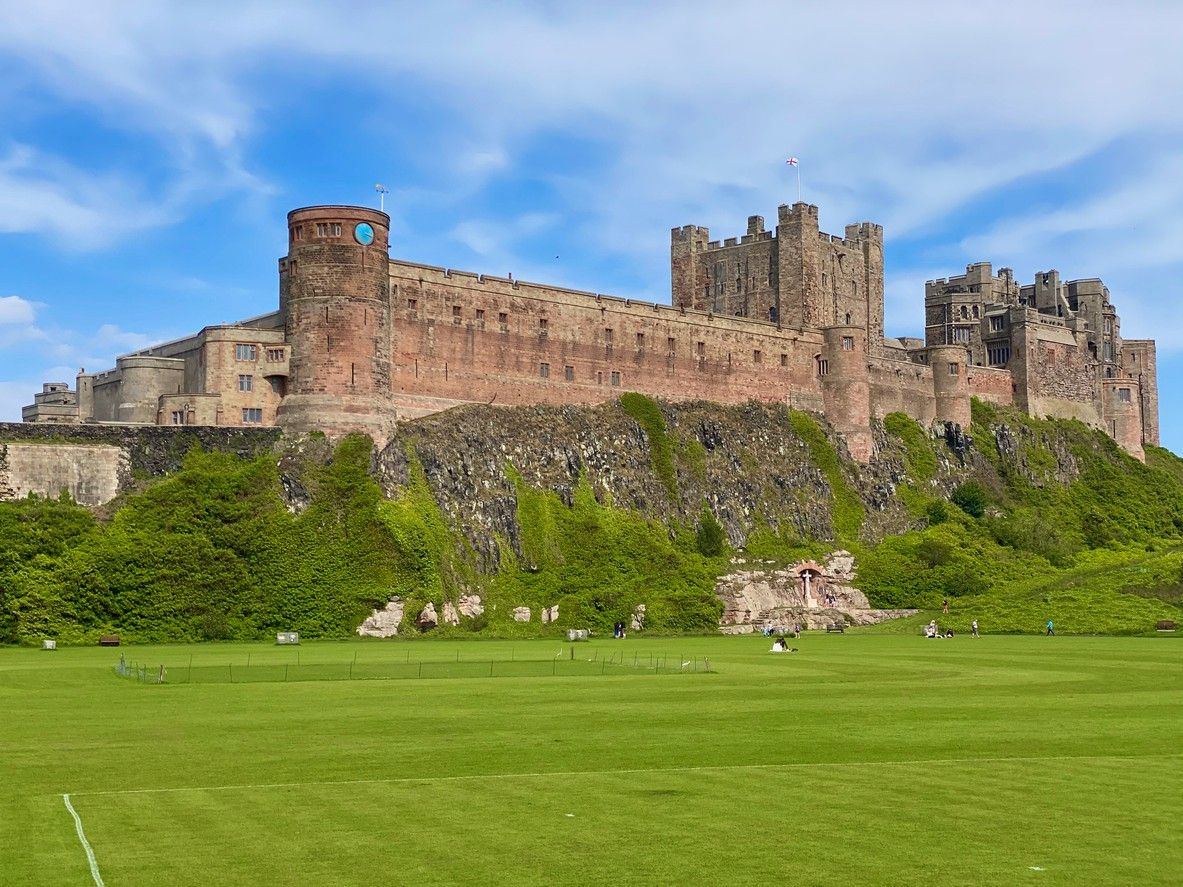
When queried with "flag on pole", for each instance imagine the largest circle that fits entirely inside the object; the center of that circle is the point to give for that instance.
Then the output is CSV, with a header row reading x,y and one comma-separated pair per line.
x,y
793,162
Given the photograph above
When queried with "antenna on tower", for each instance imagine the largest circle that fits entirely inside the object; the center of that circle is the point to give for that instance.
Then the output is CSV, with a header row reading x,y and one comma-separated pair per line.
x,y
382,192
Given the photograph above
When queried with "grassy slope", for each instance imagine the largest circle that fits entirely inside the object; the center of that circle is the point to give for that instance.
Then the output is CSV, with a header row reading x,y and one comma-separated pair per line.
x,y
212,553
861,760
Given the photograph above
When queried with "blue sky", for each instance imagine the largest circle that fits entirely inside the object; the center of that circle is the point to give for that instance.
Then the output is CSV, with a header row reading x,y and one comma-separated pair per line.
x,y
149,151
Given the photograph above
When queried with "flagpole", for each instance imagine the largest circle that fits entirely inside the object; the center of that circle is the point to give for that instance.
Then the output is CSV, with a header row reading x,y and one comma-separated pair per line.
x,y
798,181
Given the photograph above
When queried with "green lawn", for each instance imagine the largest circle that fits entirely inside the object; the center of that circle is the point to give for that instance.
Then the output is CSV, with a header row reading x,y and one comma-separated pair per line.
x,y
863,759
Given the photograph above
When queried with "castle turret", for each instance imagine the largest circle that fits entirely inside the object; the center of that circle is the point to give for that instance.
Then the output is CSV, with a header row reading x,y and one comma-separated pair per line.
x,y
335,297
846,387
950,382
799,265
687,282
1122,404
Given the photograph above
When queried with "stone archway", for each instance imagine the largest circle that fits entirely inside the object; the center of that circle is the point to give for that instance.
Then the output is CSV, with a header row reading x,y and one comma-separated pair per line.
x,y
812,579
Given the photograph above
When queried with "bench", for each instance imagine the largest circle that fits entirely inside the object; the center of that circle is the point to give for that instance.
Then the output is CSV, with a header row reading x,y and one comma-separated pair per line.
x,y
1164,625
836,626
109,640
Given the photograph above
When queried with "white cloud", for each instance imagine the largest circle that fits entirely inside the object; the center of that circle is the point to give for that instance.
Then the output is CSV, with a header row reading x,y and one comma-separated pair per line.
x,y
15,310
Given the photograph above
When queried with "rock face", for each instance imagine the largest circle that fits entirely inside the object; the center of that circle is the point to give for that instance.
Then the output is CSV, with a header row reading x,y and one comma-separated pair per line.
x,y
550,614
806,593
451,617
751,467
428,618
383,623
637,623
521,614
470,605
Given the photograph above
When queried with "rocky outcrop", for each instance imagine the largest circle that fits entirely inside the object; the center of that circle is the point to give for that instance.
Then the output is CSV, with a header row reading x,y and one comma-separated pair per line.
x,y
451,617
383,623
637,622
744,460
428,619
807,593
550,614
521,614
470,605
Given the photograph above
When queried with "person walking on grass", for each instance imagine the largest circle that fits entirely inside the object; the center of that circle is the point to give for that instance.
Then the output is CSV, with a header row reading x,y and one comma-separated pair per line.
x,y
945,606
1051,628
974,627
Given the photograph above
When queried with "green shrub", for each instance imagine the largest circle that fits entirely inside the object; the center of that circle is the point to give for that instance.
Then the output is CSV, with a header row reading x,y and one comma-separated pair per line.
x,y
710,538
971,498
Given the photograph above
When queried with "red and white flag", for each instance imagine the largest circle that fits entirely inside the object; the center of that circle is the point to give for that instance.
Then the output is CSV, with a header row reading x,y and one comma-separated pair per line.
x,y
792,161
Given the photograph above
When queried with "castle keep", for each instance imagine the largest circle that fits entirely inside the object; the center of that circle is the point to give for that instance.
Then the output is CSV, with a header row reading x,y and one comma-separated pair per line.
x,y
794,315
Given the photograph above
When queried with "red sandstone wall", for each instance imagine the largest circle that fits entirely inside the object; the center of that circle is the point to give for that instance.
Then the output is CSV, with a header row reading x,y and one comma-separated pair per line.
x,y
901,386
992,384
445,351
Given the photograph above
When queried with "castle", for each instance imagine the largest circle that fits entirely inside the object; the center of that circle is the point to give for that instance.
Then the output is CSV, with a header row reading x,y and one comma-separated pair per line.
x,y
794,315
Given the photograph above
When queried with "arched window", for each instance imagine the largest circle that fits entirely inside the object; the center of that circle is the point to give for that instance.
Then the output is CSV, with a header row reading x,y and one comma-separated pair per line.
x,y
848,318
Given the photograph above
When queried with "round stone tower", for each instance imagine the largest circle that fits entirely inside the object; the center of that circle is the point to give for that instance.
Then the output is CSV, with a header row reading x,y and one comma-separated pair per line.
x,y
335,299
846,388
950,382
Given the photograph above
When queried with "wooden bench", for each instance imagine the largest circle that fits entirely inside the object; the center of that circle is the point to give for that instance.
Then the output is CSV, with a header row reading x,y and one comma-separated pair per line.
x,y
836,626
109,640
1164,625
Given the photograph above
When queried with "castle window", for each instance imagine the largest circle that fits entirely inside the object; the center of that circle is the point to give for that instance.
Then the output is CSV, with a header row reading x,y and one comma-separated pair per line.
x,y
823,365
757,357
954,369
328,229
997,323
825,279
503,321
671,346
543,323
998,355
599,378
964,313
297,234
252,415
615,379
544,370
1123,394
246,352
960,334
640,341
848,343
784,360
456,315
569,373
277,385
412,305
246,383
178,417
773,315
975,312
701,349
275,354
480,318
608,339
848,318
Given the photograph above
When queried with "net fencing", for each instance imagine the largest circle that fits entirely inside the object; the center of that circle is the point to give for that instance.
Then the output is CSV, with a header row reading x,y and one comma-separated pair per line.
x,y
565,664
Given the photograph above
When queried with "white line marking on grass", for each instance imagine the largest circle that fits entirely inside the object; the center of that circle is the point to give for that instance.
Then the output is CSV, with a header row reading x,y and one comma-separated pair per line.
x,y
706,768
94,866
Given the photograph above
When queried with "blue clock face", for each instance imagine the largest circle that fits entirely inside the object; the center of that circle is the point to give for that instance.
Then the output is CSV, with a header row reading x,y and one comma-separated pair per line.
x,y
364,233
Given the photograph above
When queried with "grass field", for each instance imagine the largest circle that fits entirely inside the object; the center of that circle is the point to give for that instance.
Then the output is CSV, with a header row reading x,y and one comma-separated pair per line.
x,y
863,759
